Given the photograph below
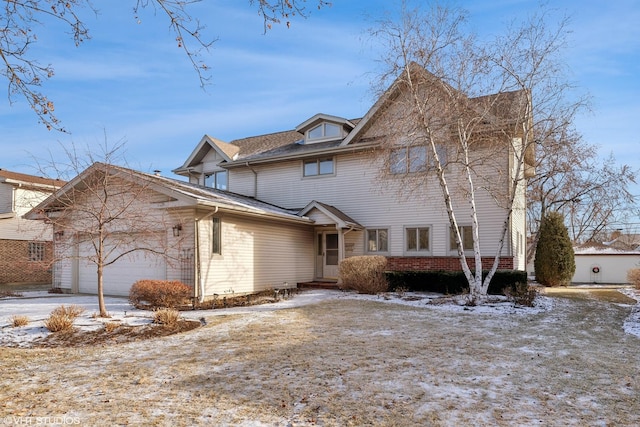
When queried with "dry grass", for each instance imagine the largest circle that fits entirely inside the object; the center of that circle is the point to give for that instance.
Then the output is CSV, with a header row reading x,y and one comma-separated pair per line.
x,y
346,362
111,326
166,316
17,321
58,322
72,311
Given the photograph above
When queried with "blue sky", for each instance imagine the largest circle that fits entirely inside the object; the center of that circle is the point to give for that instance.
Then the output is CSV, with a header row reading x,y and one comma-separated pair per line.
x,y
131,82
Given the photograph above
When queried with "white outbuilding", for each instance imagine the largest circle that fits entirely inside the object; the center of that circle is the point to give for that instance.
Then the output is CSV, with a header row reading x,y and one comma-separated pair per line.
x,y
604,264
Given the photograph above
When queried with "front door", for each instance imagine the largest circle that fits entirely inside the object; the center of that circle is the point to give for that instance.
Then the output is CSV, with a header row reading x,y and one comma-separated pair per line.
x,y
328,255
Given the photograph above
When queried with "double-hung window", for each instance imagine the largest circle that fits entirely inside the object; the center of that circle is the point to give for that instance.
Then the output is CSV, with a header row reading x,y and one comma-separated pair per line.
x,y
378,240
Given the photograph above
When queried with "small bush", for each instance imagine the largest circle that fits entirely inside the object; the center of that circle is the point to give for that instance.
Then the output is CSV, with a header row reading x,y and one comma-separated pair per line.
x,y
17,321
159,294
72,311
522,294
166,316
111,326
364,274
58,322
633,276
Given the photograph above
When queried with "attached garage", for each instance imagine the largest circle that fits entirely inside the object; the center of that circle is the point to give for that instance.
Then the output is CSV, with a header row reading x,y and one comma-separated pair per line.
x,y
118,277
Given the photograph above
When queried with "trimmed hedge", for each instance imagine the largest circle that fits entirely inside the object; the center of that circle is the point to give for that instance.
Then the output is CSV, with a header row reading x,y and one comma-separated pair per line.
x,y
451,282
364,274
159,294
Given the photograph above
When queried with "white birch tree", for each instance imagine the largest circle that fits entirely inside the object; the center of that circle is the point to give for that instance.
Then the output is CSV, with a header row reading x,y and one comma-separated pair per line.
x,y
471,102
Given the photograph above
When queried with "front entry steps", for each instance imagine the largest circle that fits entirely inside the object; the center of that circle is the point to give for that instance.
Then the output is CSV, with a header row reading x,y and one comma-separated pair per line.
x,y
316,284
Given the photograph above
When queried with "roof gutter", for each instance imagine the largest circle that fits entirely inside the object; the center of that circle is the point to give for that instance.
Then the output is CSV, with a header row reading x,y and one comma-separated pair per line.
x,y
296,156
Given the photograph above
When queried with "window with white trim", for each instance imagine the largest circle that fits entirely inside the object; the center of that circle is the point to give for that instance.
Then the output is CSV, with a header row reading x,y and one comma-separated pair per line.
x,y
318,167
218,180
377,240
417,239
466,234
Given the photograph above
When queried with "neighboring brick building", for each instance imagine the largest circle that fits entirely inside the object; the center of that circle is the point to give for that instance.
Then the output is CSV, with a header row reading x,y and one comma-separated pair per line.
x,y
26,247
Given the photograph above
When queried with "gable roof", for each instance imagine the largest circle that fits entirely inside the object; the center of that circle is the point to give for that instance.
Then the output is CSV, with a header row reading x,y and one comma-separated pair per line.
x,y
183,194
341,219
496,110
319,118
227,152
17,178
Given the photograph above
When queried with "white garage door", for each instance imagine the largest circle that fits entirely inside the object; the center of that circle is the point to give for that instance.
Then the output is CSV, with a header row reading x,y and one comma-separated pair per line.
x,y
118,277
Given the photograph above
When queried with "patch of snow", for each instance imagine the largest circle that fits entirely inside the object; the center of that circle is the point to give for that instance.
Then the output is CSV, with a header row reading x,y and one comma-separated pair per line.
x,y
38,305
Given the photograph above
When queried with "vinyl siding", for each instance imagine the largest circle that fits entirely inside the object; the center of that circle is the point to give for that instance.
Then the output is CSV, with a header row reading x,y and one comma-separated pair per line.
x,y
256,255
357,190
6,198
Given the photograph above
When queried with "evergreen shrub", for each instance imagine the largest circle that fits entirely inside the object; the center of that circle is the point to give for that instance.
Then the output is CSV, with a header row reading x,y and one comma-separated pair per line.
x,y
555,261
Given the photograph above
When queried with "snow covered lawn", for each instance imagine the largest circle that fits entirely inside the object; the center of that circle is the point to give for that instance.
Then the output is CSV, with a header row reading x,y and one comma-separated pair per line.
x,y
330,358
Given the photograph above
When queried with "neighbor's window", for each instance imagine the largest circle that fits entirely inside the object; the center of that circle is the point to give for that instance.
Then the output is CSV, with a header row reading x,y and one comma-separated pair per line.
x,y
466,234
324,130
417,239
318,167
378,240
217,180
216,237
36,251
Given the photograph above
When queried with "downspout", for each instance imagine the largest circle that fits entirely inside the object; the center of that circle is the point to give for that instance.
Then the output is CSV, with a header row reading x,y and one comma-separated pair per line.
x,y
198,275
255,180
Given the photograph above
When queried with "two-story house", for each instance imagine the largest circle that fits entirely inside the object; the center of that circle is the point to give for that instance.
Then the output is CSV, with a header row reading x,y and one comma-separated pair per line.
x,y
26,250
278,209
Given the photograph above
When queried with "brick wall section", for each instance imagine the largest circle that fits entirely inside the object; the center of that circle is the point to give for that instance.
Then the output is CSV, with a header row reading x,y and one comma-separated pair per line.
x,y
15,266
442,263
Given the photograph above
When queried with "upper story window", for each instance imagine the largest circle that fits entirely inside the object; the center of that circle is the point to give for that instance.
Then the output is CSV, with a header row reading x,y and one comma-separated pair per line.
x,y
217,180
408,159
324,131
318,167
415,159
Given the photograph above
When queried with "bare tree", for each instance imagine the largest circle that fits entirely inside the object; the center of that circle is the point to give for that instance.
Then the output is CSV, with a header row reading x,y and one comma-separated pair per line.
x,y
21,18
591,192
105,211
478,107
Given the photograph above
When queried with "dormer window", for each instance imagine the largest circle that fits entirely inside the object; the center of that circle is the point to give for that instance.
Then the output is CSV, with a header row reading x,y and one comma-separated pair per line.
x,y
324,131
